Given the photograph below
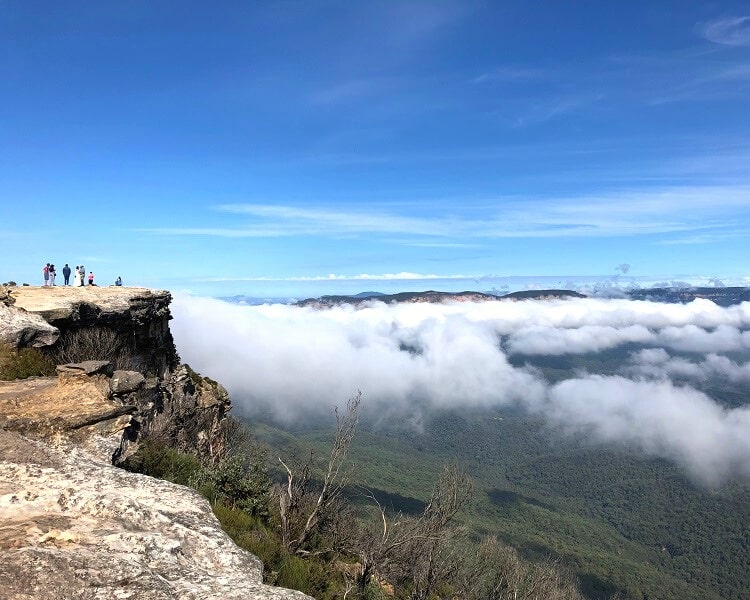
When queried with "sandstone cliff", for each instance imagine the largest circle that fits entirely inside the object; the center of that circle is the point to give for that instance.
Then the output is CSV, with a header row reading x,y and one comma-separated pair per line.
x,y
139,317
152,394
75,528
73,525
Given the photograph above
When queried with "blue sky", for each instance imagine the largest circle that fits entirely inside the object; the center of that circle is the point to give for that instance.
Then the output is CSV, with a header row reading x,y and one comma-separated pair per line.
x,y
315,147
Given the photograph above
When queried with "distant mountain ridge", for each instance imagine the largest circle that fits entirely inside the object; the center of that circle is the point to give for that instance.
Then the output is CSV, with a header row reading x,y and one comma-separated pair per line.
x,y
432,296
723,296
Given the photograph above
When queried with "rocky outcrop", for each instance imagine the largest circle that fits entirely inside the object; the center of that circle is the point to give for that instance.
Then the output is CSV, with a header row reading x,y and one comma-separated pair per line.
x,y
195,408
77,528
108,411
94,400
138,317
78,406
21,329
73,525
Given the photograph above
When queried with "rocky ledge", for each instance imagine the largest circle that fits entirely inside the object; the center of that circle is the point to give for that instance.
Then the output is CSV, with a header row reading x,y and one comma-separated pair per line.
x,y
73,525
77,528
108,411
49,316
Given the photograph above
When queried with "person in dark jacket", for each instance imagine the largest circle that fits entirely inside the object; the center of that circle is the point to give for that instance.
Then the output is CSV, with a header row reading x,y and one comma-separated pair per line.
x,y
66,274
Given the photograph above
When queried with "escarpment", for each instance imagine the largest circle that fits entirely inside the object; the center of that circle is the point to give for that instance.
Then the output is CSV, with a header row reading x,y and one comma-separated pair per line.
x,y
134,322
74,525
116,354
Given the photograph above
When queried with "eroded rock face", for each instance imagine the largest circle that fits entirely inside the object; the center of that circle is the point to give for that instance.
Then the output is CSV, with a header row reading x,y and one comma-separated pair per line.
x,y
195,409
108,411
20,329
77,528
120,406
139,316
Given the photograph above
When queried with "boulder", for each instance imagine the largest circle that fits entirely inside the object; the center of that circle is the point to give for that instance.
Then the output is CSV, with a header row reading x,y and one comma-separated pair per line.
x,y
20,329
78,528
125,382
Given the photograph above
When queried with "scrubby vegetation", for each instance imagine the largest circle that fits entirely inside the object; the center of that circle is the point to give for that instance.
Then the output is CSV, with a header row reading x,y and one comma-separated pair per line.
x,y
318,533
95,343
20,363
623,522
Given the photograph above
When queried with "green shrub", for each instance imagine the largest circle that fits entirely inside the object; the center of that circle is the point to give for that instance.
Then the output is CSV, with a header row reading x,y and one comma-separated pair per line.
x,y
24,362
235,484
158,460
309,575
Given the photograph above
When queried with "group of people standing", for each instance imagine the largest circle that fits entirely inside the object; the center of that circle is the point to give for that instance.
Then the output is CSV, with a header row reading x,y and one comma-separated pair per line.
x,y
49,273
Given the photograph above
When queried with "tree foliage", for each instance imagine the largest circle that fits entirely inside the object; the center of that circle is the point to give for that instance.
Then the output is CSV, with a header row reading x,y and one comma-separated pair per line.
x,y
309,537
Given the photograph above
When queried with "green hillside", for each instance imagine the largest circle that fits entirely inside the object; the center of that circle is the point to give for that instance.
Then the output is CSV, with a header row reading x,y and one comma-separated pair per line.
x,y
623,521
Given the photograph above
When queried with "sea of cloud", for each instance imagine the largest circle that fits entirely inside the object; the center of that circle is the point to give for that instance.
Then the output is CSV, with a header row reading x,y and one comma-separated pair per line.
x,y
407,358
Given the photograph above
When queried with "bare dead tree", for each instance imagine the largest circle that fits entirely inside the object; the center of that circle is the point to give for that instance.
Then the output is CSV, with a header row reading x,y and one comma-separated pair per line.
x,y
495,571
432,557
300,511
418,550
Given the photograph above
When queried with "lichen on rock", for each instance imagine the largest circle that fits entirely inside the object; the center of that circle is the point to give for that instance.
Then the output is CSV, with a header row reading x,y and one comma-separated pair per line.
x,y
75,528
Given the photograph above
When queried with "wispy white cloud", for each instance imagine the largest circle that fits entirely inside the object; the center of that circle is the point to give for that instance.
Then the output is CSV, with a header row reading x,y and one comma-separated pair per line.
x,y
415,22
728,31
343,221
559,106
353,90
697,210
709,237
511,74
402,276
418,244
244,232
626,81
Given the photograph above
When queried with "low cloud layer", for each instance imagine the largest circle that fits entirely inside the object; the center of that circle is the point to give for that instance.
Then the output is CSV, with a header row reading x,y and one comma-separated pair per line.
x,y
408,358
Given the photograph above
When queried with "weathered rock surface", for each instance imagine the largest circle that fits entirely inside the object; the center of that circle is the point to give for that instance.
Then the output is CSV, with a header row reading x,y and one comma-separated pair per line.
x,y
19,328
72,526
77,405
125,382
139,316
109,411
77,528
195,409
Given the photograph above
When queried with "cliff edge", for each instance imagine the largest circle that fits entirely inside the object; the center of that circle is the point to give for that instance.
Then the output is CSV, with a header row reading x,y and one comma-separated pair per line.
x,y
74,525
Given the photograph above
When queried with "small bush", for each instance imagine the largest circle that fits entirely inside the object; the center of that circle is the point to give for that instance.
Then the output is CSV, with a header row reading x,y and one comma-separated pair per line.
x,y
307,575
158,460
24,362
235,484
